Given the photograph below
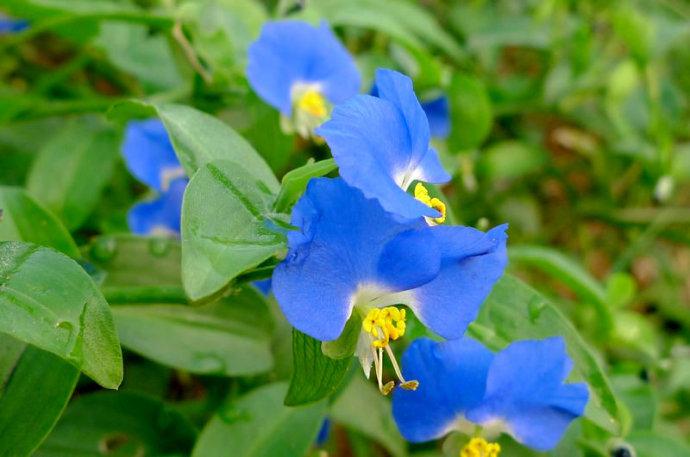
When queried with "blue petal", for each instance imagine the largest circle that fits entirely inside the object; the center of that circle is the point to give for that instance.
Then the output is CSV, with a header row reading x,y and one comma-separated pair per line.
x,y
264,285
335,252
438,113
381,145
8,25
160,216
526,390
324,431
149,155
289,52
473,262
452,378
411,259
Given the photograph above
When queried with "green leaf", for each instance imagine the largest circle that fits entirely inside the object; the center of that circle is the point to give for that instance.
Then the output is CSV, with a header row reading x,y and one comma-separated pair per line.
x,y
48,300
134,49
571,273
119,424
315,375
35,389
295,182
130,260
229,337
346,344
515,311
259,425
470,112
653,444
361,407
199,138
72,169
23,219
225,227
511,160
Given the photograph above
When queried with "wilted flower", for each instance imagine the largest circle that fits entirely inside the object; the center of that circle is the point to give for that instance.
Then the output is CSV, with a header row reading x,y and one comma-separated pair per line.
x,y
301,70
381,144
520,390
349,256
150,157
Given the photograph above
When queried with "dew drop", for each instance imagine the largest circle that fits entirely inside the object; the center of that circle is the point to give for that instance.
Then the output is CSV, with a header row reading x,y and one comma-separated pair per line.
x,y
159,247
104,249
535,307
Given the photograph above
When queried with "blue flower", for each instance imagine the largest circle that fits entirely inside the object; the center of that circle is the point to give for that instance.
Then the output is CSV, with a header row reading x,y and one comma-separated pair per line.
x,y
521,390
8,25
301,70
324,431
349,255
381,145
150,157
438,113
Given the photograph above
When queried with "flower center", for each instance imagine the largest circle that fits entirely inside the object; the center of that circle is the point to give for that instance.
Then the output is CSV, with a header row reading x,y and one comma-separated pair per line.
x,y
313,103
383,325
479,447
422,194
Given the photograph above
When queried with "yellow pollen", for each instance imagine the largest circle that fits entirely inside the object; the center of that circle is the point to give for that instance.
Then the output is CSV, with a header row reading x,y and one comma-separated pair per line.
x,y
422,194
313,102
479,447
384,324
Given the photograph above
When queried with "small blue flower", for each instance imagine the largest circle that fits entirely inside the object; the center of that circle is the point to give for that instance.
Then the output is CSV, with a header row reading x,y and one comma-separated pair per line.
x,y
349,255
301,70
381,145
324,432
438,113
521,390
150,157
8,25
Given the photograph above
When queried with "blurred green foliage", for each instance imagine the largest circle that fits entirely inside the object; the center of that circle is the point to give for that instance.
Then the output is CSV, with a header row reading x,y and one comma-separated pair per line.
x,y
570,121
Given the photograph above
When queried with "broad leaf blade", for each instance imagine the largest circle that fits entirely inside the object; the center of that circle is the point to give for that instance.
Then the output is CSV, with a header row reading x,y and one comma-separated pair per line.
x,y
315,375
225,227
46,299
23,219
38,386
119,423
259,425
215,339
515,311
72,169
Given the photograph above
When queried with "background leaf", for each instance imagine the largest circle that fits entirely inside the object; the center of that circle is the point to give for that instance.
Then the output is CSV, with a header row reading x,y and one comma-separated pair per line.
x,y
34,389
119,424
23,219
295,182
47,300
259,425
72,170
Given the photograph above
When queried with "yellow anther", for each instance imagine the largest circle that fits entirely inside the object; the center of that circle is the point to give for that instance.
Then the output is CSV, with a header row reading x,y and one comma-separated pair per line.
x,y
479,447
384,324
312,102
422,194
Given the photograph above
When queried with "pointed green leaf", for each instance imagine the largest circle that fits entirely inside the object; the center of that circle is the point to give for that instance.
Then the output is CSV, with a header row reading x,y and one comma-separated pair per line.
x,y
48,300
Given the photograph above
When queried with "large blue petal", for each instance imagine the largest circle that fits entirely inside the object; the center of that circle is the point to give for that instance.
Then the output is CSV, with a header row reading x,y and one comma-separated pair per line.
x,y
438,113
381,145
290,52
149,155
452,378
473,262
525,390
159,216
335,253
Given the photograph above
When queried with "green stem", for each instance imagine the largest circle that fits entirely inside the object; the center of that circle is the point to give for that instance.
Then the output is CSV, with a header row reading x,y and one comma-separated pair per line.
x,y
145,294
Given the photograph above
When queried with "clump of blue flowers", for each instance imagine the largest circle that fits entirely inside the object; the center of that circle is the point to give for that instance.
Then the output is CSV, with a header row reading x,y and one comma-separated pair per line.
x,y
520,390
302,71
150,157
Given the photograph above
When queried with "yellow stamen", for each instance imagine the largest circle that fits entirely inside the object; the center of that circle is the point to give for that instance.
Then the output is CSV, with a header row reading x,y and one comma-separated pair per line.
x,y
312,102
384,325
479,447
422,194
